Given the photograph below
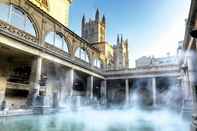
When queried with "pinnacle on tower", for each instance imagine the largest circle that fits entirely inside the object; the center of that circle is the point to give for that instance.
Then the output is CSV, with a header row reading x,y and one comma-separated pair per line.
x,y
97,15
103,19
118,39
83,20
126,41
121,39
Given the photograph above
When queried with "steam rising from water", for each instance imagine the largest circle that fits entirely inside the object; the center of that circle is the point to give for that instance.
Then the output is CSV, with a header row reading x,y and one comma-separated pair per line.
x,y
104,120
90,119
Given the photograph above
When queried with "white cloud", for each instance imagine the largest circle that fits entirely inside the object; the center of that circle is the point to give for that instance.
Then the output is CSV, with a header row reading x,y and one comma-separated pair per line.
x,y
167,41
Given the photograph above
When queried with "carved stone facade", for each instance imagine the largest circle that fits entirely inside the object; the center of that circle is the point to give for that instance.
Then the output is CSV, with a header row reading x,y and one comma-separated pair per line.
x,y
29,57
94,31
121,54
188,64
37,72
44,73
43,24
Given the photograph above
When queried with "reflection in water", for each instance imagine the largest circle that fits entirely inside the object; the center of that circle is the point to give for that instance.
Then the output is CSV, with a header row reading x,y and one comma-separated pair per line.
x,y
102,120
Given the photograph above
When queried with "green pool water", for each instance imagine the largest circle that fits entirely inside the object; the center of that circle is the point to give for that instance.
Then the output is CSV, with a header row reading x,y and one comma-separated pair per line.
x,y
94,120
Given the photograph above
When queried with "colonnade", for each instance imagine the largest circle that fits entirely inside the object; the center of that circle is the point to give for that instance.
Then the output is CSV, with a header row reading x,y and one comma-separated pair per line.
x,y
36,78
128,90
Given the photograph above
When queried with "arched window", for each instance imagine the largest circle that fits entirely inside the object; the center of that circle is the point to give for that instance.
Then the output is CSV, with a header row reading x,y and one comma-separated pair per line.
x,y
57,39
16,17
97,63
81,54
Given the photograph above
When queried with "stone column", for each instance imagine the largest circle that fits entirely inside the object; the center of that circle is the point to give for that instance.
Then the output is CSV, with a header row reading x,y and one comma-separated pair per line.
x,y
3,80
103,92
38,75
192,72
70,81
3,84
35,80
187,87
127,91
66,91
90,85
154,89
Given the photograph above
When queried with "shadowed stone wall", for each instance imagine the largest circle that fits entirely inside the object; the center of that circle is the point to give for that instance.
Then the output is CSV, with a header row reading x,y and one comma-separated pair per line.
x,y
3,80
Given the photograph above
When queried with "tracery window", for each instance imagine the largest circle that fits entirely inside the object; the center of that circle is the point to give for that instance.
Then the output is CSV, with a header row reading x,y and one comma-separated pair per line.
x,y
82,54
16,17
57,40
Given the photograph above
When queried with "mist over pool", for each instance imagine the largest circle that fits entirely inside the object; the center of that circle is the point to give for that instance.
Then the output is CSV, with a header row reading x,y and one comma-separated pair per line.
x,y
89,119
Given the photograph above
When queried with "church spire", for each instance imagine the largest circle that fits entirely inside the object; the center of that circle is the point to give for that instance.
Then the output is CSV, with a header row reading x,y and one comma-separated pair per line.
x,y
121,39
97,15
103,19
83,20
118,39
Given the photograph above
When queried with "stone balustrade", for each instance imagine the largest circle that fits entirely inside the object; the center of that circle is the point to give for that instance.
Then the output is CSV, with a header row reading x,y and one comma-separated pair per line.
x,y
13,31
135,72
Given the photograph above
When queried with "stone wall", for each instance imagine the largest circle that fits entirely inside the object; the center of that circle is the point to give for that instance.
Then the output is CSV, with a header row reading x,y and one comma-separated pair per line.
x,y
3,80
15,102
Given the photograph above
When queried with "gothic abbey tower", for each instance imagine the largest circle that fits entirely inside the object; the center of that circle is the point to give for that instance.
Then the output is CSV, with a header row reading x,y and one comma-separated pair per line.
x,y
94,31
121,55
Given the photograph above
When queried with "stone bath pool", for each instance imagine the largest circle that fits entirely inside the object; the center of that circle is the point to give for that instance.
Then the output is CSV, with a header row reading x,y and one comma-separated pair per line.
x,y
98,120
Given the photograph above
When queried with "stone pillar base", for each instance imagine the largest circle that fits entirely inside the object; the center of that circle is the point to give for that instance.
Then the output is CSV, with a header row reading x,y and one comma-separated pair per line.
x,y
31,100
90,85
194,126
103,100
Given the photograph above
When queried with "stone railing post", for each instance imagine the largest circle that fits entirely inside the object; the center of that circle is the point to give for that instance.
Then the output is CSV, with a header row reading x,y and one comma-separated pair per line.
x,y
127,91
35,80
70,81
154,90
103,92
90,85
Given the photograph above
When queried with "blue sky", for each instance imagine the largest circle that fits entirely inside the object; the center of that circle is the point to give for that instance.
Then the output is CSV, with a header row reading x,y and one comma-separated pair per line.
x,y
153,27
